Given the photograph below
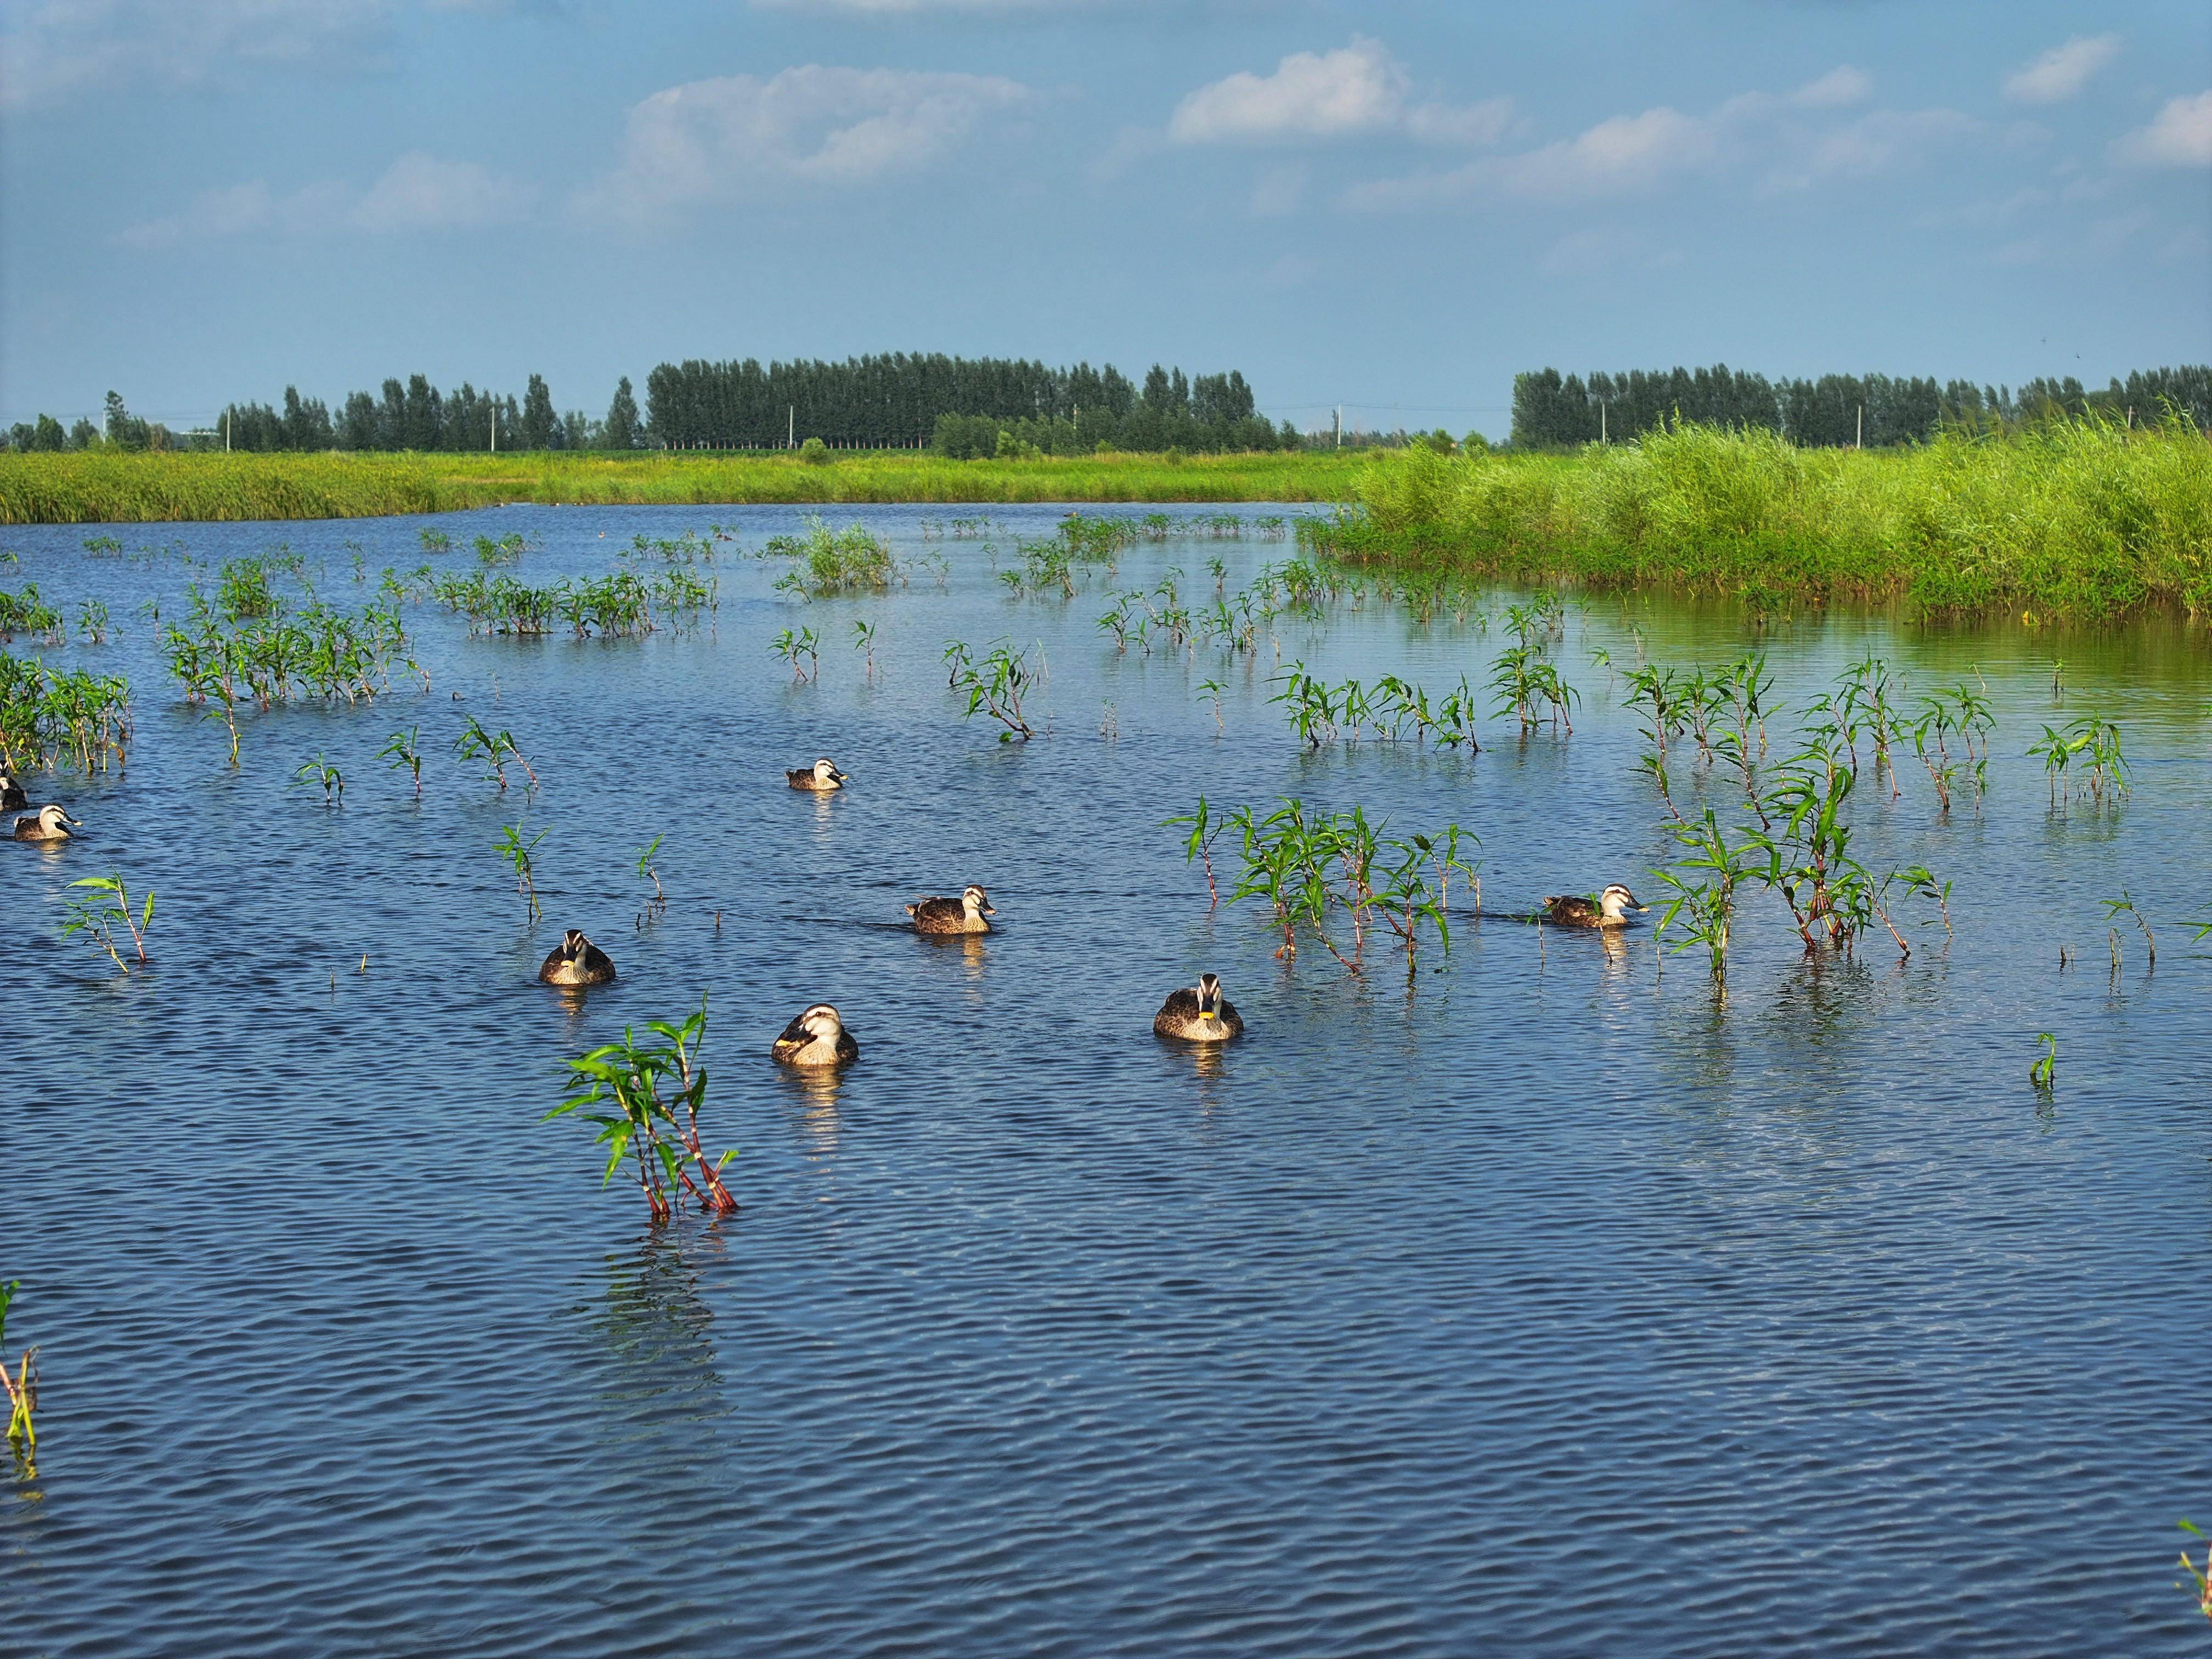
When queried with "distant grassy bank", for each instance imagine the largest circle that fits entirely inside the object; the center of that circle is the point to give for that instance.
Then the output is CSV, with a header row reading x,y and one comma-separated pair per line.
x,y
2081,518
109,487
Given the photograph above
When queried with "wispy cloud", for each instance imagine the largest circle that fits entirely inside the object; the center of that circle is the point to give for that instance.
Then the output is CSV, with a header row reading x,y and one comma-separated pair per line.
x,y
56,49
2180,135
1788,141
721,139
418,193
1355,90
2060,73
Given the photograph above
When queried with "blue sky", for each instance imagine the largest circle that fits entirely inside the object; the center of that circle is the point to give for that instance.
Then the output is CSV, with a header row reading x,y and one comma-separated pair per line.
x,y
1394,205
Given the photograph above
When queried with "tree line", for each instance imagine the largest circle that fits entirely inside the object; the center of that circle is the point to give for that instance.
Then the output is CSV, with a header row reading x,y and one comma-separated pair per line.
x,y
1552,411
959,405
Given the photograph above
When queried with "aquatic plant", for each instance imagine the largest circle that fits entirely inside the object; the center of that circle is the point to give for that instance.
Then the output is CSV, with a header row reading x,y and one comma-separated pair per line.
x,y
1310,866
103,912
649,1096
2105,775
645,868
436,541
2202,1580
1390,710
996,686
21,1387
508,549
2044,1074
522,854
1213,689
49,716
1702,907
1531,689
791,647
826,562
2125,906
25,613
864,639
1962,713
404,751
1205,830
93,621
494,749
319,770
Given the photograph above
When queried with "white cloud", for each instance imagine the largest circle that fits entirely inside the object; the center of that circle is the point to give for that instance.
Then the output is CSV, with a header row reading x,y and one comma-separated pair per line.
x,y
1840,85
2180,137
1794,141
2062,72
722,138
54,49
1355,90
416,193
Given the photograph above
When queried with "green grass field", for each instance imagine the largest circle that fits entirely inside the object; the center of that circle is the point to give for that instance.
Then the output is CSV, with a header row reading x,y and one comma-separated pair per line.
x,y
106,488
2078,518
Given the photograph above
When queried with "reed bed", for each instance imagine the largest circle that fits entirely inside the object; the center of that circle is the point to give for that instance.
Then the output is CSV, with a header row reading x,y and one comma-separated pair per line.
x,y
98,488
2078,518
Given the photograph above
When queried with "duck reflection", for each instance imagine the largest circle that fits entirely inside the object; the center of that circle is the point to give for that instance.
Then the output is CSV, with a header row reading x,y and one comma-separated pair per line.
x,y
656,1330
813,1090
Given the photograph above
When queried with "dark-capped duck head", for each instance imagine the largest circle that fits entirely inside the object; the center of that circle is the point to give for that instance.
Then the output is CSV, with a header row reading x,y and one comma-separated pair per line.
x,y
826,775
1616,901
975,902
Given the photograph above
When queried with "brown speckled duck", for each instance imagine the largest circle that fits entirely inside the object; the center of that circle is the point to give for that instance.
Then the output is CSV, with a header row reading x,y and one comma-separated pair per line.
x,y
577,962
12,798
1609,909
1200,1015
962,915
52,824
822,774
817,1037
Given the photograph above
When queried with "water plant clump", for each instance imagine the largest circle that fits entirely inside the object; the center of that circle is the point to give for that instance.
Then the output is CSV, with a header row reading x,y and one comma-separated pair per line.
x,y
646,1097
320,771
996,685
521,853
1389,711
103,912
793,644
25,613
405,751
825,561
2094,743
49,717
1320,871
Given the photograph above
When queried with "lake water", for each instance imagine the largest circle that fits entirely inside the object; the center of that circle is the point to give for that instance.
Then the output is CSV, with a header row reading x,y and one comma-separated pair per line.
x,y
1546,1306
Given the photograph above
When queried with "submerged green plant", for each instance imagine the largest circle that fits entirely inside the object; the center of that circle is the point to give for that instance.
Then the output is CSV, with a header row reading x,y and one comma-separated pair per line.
x,y
649,1095
404,751
494,749
2044,1074
319,770
522,854
105,913
21,1387
996,686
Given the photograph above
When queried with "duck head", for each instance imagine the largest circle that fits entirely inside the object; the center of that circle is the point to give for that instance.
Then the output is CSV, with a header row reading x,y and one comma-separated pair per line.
x,y
573,944
825,771
975,901
1616,901
56,823
1209,996
821,1023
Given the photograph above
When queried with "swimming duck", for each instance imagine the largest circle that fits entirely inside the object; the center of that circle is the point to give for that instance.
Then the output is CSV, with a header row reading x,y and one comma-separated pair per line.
x,y
817,1037
52,824
578,962
962,915
822,774
1610,910
1203,1015
12,798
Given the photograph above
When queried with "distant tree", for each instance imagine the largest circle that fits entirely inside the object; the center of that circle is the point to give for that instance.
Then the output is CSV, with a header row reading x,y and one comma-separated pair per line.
x,y
83,435
539,425
620,429
125,429
357,423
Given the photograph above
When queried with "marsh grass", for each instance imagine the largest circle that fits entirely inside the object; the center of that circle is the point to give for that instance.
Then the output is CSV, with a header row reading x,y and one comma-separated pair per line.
x,y
996,685
51,716
103,912
646,1097
2073,519
98,487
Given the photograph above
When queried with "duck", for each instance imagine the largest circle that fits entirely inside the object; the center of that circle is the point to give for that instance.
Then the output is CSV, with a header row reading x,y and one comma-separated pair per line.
x,y
962,915
51,824
1609,909
1200,1015
577,962
822,774
12,798
817,1037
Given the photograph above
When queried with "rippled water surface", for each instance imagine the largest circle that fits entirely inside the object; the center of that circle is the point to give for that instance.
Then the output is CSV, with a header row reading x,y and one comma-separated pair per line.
x,y
1547,1305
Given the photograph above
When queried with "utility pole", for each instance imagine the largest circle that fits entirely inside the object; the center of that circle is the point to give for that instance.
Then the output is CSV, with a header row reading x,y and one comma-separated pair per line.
x,y
495,426
1601,438
1860,442
790,426
1339,426
226,432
